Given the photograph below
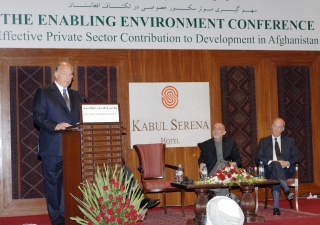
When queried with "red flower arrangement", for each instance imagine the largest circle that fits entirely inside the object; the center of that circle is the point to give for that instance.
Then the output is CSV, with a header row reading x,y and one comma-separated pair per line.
x,y
229,175
110,200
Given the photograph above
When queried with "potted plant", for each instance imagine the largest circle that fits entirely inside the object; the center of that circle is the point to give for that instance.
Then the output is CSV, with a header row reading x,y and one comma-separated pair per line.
x,y
111,199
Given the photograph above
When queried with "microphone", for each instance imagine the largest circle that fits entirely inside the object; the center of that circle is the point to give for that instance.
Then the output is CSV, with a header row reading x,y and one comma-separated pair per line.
x,y
85,98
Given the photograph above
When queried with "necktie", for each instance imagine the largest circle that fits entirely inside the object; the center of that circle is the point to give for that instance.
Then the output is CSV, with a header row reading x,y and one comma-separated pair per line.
x,y
65,97
277,149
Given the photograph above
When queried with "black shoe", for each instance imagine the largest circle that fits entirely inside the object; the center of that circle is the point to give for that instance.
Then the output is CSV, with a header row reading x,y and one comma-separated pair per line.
x,y
152,203
276,212
144,202
149,202
289,195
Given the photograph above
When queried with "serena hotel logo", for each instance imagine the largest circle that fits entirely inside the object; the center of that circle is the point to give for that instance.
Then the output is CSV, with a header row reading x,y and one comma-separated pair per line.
x,y
170,97
170,100
177,114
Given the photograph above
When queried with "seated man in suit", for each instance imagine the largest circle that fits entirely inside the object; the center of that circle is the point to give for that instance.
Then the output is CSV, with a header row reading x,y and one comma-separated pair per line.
x,y
279,156
217,152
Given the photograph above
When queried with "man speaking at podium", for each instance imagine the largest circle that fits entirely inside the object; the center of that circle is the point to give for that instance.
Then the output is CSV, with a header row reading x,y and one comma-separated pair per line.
x,y
55,107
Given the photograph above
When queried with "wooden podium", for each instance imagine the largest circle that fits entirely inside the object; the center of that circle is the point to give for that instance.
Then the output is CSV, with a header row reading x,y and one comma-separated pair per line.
x,y
84,146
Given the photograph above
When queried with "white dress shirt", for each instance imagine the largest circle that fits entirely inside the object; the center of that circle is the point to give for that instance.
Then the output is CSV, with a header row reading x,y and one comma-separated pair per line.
x,y
61,89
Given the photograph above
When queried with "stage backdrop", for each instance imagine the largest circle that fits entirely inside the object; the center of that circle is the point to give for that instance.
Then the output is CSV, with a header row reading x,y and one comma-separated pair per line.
x,y
177,114
161,24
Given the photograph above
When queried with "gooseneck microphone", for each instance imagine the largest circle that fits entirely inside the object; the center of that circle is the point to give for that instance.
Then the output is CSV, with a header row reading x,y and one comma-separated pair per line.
x,y
85,98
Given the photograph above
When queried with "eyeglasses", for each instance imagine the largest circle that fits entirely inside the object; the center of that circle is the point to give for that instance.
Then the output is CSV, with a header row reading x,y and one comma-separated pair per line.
x,y
278,127
64,73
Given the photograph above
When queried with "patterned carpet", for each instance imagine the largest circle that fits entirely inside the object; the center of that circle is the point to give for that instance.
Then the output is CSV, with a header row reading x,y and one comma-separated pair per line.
x,y
305,205
174,216
309,215
238,105
309,211
295,108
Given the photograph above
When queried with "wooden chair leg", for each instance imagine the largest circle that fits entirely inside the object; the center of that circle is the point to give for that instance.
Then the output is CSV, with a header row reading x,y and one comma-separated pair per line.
x,y
182,202
256,190
266,197
296,192
164,202
290,202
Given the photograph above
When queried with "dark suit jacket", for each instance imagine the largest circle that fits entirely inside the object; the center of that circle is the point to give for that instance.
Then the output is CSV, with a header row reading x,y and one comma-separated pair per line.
x,y
288,150
209,154
49,109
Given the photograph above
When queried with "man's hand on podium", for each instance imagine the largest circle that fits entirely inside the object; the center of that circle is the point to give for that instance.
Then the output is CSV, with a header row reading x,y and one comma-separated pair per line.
x,y
62,126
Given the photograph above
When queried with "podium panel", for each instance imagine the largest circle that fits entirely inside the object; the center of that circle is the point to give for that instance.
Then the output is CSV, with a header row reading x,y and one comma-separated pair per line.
x,y
72,177
84,147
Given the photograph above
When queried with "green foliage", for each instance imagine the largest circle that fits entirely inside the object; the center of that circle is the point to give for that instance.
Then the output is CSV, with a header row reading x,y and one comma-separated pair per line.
x,y
110,199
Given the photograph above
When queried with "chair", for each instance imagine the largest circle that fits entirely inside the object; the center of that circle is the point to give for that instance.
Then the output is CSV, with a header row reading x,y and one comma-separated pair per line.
x,y
152,168
291,182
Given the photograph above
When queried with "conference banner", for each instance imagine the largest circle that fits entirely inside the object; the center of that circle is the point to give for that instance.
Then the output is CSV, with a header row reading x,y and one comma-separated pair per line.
x,y
176,114
161,24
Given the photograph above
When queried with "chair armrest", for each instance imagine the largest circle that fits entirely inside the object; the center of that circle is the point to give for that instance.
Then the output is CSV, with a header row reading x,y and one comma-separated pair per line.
x,y
171,166
296,177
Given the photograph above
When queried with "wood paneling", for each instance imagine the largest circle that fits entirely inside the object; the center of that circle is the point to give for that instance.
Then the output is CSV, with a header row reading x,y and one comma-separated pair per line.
x,y
167,66
315,96
25,207
5,144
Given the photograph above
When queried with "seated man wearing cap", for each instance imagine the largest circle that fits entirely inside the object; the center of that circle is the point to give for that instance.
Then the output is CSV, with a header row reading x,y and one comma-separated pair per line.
x,y
216,153
222,210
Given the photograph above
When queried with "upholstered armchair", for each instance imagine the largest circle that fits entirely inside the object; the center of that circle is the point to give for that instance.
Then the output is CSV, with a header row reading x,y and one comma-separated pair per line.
x,y
152,169
291,182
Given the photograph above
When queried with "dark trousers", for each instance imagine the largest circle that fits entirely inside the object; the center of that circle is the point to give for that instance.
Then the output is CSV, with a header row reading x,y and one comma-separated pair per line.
x,y
128,173
53,180
275,171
